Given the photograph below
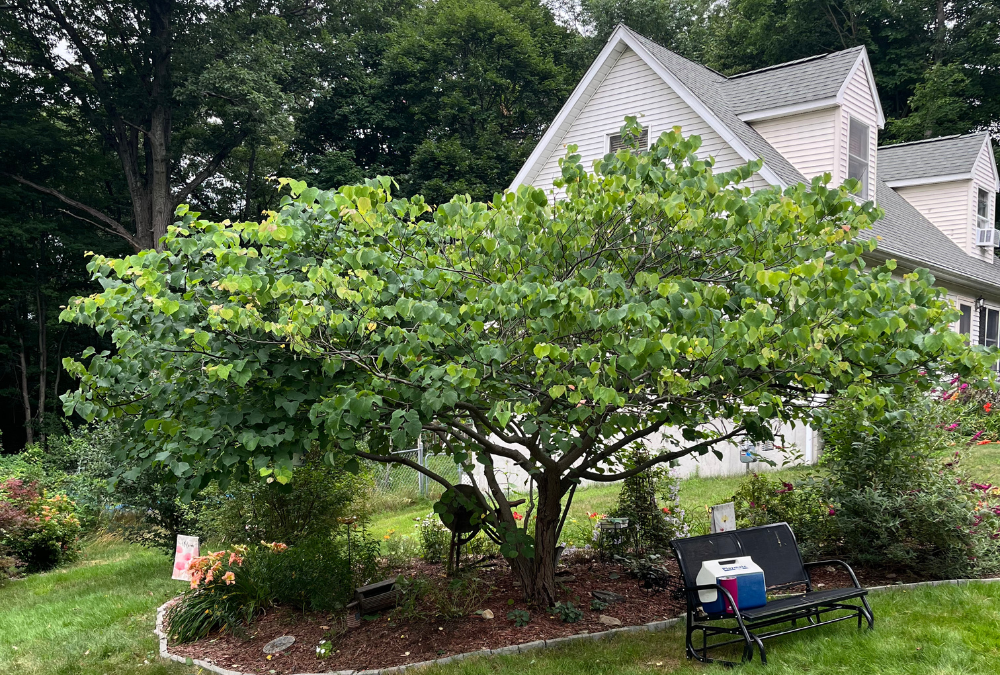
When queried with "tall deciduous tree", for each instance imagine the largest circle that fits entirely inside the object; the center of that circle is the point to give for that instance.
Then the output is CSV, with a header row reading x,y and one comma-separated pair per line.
x,y
656,298
172,87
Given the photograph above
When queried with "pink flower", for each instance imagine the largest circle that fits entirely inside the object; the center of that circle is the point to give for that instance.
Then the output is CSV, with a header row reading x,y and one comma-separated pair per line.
x,y
229,578
517,516
832,511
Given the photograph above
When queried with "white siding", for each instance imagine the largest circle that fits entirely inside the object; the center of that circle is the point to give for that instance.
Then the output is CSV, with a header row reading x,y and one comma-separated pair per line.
x,y
982,177
806,140
947,206
859,102
632,88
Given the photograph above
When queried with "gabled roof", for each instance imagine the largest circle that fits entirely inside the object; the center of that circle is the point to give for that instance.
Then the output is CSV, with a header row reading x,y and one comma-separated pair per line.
x,y
906,234
936,160
804,84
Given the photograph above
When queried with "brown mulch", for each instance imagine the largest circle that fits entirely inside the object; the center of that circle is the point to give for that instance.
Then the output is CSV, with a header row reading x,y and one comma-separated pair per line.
x,y
390,640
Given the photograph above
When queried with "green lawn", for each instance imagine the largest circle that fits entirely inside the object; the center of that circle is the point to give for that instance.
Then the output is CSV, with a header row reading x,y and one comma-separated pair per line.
x,y
939,630
95,617
982,462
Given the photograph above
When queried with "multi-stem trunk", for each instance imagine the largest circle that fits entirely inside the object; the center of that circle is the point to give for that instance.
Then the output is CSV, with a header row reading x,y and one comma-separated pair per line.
x,y
537,574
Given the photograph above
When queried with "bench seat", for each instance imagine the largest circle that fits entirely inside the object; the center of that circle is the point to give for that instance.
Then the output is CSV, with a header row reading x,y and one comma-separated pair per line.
x,y
774,549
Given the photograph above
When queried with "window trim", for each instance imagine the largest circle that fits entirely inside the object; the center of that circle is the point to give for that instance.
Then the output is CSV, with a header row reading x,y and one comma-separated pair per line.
x,y
851,120
983,221
649,139
965,321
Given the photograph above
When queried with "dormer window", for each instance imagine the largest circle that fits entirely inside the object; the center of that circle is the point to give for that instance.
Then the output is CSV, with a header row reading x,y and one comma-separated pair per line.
x,y
615,141
857,155
983,210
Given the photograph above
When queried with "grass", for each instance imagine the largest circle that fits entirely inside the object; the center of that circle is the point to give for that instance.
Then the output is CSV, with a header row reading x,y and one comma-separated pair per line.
x,y
939,630
696,495
95,617
982,462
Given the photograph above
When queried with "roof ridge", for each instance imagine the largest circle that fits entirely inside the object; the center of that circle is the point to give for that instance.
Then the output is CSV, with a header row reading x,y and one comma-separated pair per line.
x,y
680,56
806,59
932,140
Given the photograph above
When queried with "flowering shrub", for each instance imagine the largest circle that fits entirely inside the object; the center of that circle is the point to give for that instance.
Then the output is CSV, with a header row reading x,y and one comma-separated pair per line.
x,y
435,538
38,530
231,587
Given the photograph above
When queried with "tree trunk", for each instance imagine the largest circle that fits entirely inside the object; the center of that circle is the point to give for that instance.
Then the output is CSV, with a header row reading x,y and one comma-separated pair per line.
x,y
25,397
43,359
537,575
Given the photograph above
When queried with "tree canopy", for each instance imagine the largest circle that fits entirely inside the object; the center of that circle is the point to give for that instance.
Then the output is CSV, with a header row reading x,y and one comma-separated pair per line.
x,y
655,299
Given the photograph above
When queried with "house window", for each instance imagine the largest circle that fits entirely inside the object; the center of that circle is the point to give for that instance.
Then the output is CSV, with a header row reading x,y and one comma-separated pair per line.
x,y
965,323
983,210
615,141
857,155
989,319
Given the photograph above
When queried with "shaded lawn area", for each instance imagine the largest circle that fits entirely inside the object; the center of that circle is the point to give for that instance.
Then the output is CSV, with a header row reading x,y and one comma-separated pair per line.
x,y
696,495
95,617
942,629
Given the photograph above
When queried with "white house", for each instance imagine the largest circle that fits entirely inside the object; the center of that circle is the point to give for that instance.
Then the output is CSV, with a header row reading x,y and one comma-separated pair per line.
x,y
804,118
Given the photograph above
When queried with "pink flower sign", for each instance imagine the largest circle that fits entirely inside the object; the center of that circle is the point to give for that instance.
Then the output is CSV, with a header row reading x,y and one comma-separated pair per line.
x,y
186,551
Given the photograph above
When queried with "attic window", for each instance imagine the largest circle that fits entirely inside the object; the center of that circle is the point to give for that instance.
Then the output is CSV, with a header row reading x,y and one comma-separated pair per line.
x,y
983,210
615,141
857,155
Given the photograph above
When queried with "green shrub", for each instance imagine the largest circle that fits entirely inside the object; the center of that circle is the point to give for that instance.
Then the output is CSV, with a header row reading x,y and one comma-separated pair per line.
x,y
398,550
308,506
885,499
230,588
435,538
805,505
37,531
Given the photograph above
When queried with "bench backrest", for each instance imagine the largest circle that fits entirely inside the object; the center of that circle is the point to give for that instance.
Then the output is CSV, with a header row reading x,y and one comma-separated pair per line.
x,y
772,547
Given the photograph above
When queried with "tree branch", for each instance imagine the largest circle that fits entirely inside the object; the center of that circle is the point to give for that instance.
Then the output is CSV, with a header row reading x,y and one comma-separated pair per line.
x,y
208,171
116,227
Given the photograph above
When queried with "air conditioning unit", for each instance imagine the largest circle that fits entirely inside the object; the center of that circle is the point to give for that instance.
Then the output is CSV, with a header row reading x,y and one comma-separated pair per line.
x,y
987,236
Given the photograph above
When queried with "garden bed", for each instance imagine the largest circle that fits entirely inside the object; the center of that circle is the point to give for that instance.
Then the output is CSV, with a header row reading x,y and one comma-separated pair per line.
x,y
392,639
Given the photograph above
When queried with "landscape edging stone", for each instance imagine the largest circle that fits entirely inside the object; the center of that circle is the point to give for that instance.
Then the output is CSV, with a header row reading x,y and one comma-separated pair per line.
x,y
652,626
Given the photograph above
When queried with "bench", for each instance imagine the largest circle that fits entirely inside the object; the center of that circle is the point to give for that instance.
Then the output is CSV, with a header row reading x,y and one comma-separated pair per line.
x,y
774,550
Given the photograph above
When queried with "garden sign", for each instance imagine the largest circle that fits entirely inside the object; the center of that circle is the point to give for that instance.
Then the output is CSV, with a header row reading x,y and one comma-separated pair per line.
x,y
186,551
723,517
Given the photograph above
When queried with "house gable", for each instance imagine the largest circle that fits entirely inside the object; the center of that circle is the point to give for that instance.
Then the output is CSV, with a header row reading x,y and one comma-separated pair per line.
x,y
626,80
808,140
631,87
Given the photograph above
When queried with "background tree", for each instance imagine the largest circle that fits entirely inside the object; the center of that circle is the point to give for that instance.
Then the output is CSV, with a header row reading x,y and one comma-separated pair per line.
x,y
453,100
654,301
172,87
42,260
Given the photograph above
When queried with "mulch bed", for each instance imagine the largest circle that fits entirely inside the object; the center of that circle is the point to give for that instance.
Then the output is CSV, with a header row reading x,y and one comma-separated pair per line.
x,y
390,640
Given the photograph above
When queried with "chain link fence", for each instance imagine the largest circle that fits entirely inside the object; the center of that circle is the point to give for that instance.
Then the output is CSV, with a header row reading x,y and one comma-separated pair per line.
x,y
398,483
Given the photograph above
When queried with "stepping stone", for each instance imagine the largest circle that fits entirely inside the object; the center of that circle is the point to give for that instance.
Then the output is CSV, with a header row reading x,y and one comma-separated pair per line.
x,y
279,644
608,596
609,620
565,579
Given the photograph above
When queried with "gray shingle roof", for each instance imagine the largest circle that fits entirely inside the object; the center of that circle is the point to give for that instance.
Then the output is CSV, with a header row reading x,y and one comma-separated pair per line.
x,y
903,231
813,79
707,85
906,233
945,156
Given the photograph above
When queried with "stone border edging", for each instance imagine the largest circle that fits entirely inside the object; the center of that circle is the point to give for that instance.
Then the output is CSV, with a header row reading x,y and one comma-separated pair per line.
x,y
653,627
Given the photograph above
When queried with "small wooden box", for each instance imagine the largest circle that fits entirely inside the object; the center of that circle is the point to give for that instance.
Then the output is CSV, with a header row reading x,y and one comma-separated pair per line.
x,y
377,596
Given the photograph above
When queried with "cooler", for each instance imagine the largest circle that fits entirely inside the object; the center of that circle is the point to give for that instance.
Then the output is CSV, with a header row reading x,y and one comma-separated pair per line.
x,y
740,576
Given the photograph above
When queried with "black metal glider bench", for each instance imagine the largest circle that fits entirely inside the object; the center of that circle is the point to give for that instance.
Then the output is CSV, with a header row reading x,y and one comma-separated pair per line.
x,y
773,549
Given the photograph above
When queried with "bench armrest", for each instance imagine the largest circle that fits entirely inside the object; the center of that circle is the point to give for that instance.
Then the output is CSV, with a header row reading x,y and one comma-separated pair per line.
x,y
843,564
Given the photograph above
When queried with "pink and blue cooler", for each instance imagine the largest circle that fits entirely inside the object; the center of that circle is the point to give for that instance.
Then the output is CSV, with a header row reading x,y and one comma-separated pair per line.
x,y
739,574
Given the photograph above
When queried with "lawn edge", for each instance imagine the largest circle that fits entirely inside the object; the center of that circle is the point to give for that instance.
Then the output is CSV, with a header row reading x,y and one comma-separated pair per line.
x,y
652,627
